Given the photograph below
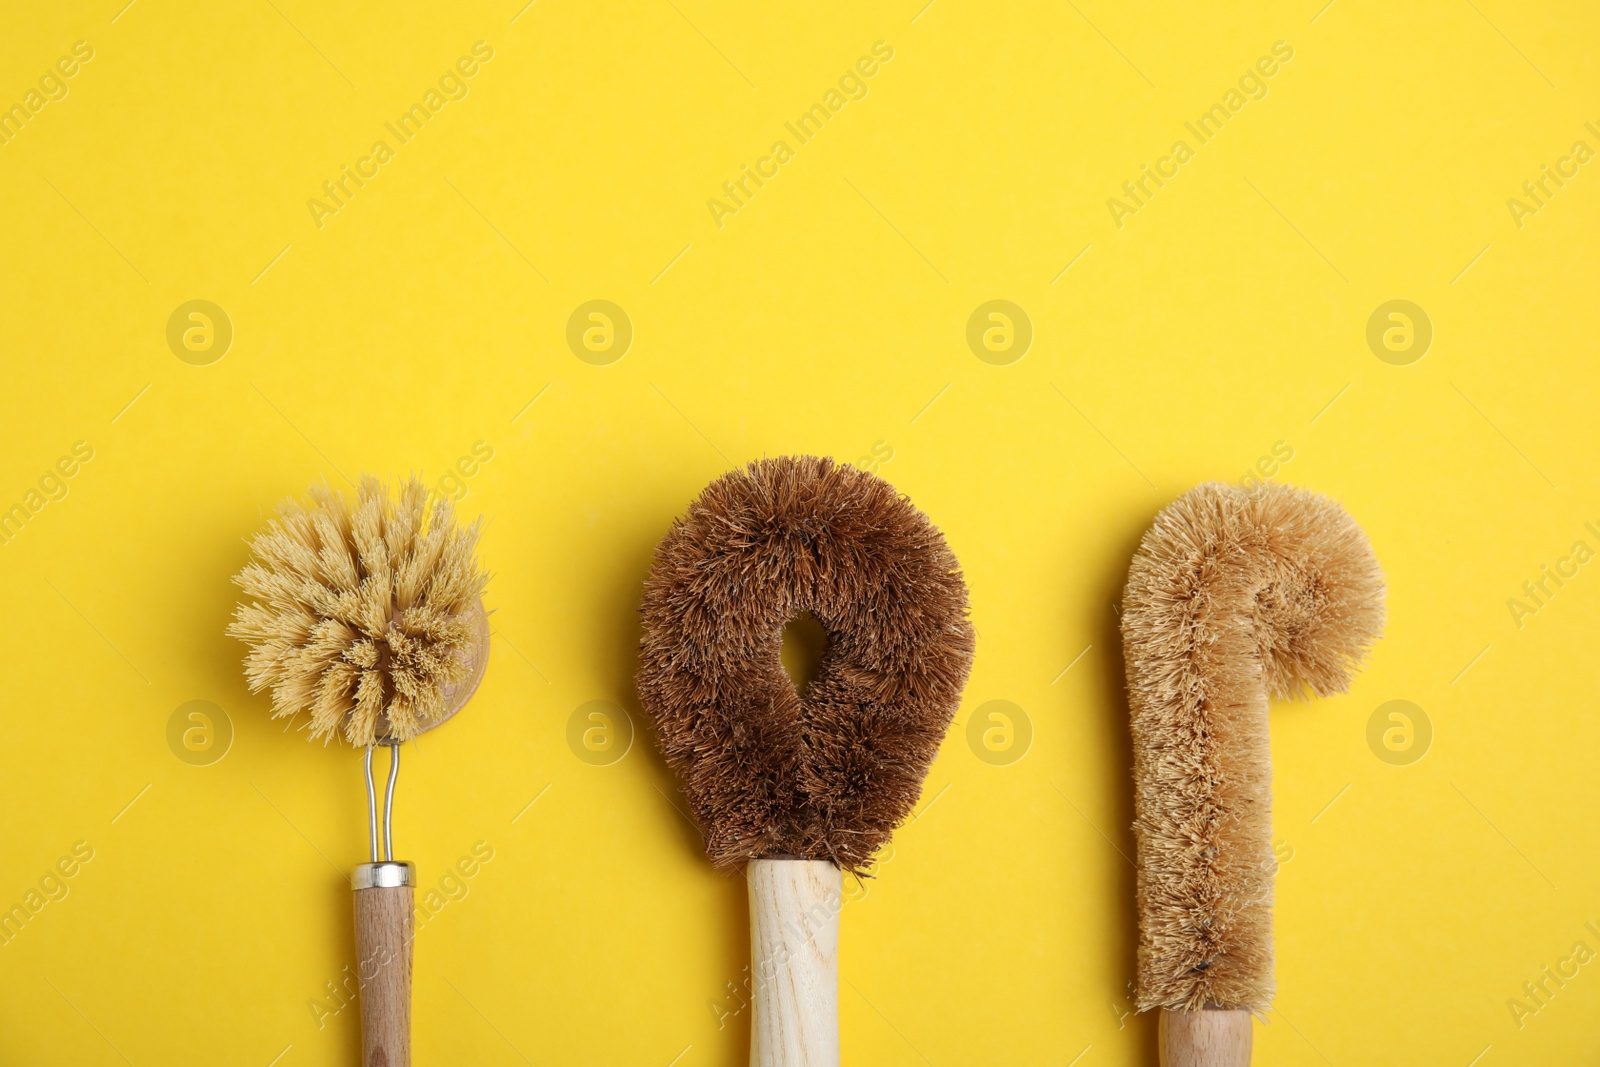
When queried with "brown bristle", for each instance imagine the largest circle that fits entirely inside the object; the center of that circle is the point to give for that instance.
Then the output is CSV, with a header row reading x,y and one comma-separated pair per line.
x,y
362,616
766,771
1231,596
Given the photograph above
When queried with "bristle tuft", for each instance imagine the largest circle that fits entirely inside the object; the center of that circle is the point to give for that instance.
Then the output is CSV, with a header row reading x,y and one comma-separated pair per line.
x,y
361,615
766,771
1231,596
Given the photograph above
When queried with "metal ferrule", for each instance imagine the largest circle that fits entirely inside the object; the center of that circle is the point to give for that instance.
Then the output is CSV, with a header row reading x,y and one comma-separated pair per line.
x,y
388,874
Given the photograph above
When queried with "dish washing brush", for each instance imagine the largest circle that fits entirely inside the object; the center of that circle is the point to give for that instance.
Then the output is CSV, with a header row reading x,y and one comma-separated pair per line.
x,y
1232,597
367,617
797,788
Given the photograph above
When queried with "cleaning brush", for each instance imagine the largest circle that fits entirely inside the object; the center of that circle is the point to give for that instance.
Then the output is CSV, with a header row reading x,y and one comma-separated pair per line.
x,y
799,788
369,619
1232,597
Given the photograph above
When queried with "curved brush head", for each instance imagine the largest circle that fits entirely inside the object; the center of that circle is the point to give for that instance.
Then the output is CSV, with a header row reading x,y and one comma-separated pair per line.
x,y
366,615
766,771
1231,596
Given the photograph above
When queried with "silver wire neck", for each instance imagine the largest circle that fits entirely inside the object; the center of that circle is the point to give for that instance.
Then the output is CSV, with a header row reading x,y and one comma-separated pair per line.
x,y
387,855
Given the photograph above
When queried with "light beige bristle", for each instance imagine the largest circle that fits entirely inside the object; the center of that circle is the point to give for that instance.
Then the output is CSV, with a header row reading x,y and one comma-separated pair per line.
x,y
362,615
1231,597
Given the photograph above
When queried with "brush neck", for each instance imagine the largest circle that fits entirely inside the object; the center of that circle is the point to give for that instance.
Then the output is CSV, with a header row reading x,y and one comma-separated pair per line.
x,y
794,962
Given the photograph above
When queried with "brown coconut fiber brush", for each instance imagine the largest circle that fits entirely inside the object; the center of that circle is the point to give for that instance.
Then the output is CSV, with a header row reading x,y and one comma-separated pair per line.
x,y
1233,597
799,788
368,617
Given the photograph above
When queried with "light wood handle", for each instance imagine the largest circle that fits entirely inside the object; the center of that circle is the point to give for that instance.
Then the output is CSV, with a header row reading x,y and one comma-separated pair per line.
x,y
1207,1038
383,947
794,962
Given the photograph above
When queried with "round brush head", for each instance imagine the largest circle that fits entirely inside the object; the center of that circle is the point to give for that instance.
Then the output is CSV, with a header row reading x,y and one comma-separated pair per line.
x,y
769,772
1232,596
365,615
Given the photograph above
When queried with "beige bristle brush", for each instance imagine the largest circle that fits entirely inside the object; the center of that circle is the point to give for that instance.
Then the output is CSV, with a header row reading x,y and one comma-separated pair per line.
x,y
1233,597
368,616
798,788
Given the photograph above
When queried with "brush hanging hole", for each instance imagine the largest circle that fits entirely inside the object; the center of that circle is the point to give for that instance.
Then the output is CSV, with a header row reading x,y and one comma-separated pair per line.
x,y
804,642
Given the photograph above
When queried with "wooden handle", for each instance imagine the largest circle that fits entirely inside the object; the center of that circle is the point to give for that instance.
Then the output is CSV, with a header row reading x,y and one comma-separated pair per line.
x,y
794,960
383,947
1208,1038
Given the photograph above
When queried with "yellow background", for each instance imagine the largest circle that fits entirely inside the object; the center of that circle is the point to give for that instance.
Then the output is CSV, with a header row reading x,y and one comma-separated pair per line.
x,y
828,315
